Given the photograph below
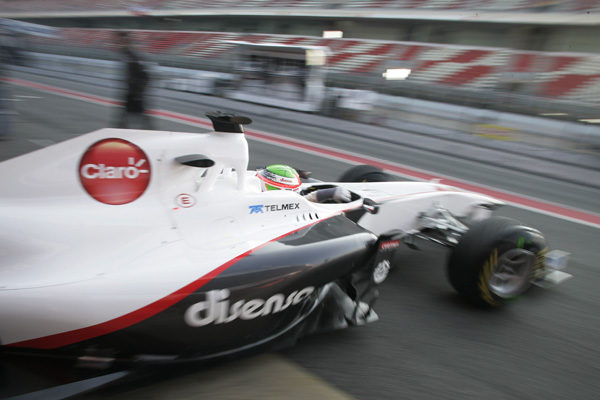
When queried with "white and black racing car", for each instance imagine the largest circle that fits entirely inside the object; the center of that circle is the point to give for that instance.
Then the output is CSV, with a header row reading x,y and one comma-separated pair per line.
x,y
161,246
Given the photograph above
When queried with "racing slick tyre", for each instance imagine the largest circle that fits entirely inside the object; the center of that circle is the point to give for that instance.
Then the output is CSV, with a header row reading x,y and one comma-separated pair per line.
x,y
495,261
365,173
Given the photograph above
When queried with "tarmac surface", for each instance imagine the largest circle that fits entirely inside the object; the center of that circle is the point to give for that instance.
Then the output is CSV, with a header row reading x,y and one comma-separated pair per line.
x,y
427,343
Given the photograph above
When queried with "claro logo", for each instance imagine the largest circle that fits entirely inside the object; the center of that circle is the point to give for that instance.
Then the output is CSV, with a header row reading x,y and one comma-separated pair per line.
x,y
216,308
114,171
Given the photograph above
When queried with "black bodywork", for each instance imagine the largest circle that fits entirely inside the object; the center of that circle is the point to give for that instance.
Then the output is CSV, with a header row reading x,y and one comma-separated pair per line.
x,y
325,264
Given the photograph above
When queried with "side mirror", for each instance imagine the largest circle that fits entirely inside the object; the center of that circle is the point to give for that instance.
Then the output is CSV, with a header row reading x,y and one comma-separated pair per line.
x,y
370,206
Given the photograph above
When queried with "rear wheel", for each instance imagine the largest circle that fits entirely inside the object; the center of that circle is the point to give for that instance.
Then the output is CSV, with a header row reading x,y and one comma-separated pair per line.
x,y
365,173
495,261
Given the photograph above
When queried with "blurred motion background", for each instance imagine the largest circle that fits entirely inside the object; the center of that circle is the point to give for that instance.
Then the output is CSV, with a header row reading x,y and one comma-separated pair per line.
x,y
468,62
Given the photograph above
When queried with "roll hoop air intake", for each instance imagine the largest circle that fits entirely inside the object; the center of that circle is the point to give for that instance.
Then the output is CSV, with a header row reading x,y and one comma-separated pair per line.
x,y
224,122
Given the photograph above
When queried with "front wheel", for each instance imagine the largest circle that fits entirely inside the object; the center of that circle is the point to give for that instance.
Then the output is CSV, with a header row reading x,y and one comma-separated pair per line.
x,y
495,261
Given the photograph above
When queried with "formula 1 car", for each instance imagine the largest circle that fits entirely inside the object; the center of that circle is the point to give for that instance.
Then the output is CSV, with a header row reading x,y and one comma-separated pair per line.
x,y
161,246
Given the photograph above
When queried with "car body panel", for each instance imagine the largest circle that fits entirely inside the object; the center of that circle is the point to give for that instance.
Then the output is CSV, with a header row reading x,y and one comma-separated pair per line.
x,y
108,241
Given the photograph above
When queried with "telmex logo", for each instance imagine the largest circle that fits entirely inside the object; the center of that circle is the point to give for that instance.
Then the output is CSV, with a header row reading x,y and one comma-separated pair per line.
x,y
216,308
261,208
114,171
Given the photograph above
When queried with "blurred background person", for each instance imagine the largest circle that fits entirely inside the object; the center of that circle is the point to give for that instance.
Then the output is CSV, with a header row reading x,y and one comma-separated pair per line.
x,y
7,52
136,78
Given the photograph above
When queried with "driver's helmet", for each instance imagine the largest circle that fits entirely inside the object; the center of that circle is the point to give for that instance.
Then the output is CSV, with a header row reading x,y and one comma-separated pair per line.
x,y
278,176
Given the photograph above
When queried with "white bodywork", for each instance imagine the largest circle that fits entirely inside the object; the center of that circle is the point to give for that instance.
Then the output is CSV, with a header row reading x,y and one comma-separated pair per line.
x,y
69,261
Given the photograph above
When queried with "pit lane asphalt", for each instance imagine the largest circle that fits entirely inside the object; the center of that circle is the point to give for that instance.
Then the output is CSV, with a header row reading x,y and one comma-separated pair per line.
x,y
427,344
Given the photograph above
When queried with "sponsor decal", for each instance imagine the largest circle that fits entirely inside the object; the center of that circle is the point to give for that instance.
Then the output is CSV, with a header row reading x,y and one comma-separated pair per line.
x,y
262,208
216,309
389,245
381,271
185,200
114,171
258,209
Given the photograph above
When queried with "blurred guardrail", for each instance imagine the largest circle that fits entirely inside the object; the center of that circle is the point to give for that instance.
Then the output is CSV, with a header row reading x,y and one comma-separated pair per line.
x,y
398,111
421,116
81,68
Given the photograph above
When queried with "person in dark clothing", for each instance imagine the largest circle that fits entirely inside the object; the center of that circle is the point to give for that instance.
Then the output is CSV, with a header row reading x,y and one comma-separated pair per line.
x,y
5,109
133,114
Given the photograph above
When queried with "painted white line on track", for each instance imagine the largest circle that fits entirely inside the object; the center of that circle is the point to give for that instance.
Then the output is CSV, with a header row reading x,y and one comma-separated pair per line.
x,y
525,202
264,377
